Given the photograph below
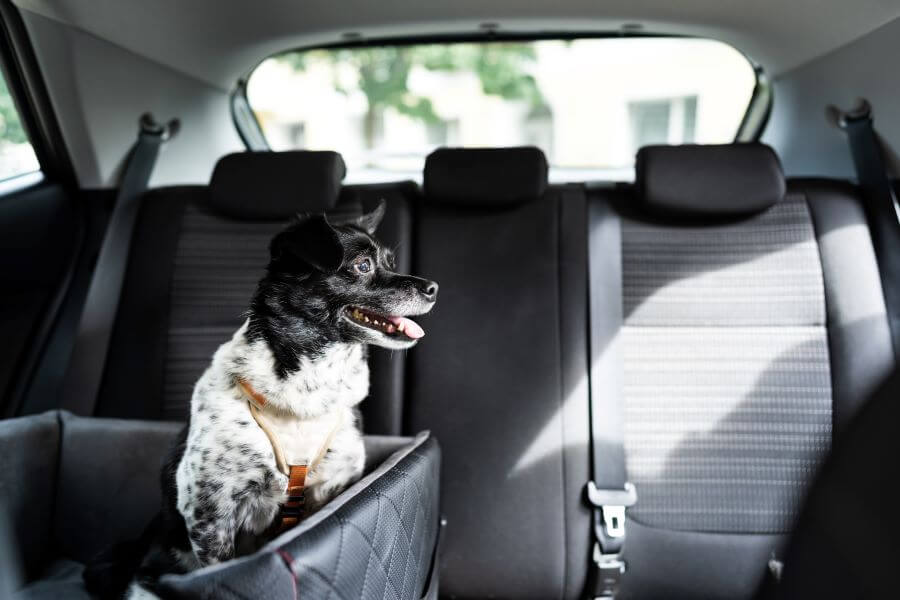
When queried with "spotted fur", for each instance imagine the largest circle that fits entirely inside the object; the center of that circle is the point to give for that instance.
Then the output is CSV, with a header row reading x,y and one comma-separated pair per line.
x,y
228,483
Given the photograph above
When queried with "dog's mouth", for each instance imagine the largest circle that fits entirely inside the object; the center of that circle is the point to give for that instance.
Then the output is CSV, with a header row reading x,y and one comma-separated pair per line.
x,y
391,326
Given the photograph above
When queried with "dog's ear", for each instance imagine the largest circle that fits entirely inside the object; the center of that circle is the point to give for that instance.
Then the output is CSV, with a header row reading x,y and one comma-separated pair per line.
x,y
371,220
313,241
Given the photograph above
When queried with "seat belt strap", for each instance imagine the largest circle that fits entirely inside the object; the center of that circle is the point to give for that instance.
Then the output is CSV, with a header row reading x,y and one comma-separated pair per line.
x,y
85,369
882,207
609,491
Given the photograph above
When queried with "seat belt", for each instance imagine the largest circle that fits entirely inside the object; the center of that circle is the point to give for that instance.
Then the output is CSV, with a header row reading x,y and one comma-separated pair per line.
x,y
881,203
609,491
81,383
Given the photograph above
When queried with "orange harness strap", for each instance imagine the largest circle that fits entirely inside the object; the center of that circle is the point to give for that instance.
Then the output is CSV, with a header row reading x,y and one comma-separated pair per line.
x,y
292,511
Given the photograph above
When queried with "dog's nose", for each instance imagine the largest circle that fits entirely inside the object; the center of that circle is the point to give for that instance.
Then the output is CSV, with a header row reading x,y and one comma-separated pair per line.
x,y
429,290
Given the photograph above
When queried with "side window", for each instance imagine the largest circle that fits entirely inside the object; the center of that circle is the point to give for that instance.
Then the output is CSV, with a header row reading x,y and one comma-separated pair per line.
x,y
17,156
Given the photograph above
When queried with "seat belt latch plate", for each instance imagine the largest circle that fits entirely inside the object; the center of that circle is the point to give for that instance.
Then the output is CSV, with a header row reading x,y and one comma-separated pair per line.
x,y
612,505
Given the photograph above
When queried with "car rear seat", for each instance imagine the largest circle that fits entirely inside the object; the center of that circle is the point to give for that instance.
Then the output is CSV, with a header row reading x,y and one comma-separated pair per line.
x,y
744,310
501,377
197,254
766,309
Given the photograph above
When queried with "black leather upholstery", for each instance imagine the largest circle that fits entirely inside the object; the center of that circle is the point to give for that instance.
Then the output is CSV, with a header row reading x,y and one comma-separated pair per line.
x,y
708,181
481,177
270,186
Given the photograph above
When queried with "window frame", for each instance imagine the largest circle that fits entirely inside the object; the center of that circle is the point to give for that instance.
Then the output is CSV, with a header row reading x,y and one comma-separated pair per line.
x,y
751,128
19,67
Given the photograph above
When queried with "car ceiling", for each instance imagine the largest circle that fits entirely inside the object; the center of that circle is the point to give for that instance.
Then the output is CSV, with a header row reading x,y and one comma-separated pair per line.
x,y
217,41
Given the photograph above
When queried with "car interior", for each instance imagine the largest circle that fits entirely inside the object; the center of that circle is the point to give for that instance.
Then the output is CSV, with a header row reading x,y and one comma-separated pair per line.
x,y
667,238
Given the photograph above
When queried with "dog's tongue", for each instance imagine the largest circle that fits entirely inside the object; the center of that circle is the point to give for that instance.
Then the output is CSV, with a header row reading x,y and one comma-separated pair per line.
x,y
409,327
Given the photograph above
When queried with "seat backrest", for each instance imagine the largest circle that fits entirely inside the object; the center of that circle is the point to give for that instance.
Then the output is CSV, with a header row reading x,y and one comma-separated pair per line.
x,y
501,376
728,354
196,257
382,411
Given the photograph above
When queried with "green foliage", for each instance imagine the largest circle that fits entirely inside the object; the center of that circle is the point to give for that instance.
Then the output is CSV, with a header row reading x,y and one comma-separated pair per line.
x,y
383,74
501,67
11,130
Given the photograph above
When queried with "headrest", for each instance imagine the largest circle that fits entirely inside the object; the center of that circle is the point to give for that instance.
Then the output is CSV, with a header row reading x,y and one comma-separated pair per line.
x,y
270,186
709,181
485,176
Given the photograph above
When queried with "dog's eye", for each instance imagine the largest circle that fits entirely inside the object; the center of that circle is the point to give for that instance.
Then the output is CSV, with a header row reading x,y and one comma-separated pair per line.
x,y
363,266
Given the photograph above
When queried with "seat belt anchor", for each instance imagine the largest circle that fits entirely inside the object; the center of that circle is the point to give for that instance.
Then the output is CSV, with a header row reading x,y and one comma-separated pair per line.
x,y
610,568
165,131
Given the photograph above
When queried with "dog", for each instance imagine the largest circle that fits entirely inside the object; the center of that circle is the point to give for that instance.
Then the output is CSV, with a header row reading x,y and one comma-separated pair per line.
x,y
282,392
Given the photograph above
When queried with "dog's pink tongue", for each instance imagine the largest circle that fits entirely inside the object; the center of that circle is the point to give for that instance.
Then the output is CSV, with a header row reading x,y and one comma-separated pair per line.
x,y
409,327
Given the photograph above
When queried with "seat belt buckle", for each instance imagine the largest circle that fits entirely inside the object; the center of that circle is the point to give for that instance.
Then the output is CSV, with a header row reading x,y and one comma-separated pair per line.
x,y
612,505
608,573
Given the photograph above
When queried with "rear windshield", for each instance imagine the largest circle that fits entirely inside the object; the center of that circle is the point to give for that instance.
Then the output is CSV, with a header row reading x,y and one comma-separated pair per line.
x,y
589,104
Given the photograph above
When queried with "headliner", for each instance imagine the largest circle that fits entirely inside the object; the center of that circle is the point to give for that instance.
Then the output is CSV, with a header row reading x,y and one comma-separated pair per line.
x,y
218,41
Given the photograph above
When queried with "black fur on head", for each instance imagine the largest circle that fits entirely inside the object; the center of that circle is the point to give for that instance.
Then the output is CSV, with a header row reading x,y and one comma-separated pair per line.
x,y
330,283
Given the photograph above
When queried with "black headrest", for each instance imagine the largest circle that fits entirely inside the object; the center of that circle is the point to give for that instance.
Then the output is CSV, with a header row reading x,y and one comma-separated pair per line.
x,y
485,176
270,186
709,181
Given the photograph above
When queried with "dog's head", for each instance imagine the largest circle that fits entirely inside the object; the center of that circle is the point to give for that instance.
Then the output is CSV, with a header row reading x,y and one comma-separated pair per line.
x,y
337,282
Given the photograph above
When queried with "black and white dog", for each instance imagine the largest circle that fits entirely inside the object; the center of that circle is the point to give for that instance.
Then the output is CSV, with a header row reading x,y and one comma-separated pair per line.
x,y
329,290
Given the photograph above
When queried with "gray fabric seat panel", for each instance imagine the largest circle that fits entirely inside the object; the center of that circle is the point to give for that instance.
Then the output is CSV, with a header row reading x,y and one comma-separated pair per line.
x,y
727,381
218,261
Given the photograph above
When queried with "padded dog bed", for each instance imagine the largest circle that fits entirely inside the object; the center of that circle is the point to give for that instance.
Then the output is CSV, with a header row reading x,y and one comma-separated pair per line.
x,y
74,486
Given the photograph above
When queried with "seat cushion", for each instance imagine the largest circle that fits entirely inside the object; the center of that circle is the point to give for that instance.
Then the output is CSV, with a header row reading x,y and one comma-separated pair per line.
x,y
61,579
109,482
29,451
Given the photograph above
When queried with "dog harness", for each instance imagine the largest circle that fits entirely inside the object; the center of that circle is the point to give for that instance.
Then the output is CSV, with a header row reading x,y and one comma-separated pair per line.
x,y
293,509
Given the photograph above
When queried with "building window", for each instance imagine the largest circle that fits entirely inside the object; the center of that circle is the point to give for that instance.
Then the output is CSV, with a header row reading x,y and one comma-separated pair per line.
x,y
663,121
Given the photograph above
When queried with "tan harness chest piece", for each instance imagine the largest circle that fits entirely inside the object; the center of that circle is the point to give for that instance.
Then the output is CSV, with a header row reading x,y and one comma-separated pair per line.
x,y
293,509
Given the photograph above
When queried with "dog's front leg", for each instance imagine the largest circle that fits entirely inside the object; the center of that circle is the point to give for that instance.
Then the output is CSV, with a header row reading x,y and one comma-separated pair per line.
x,y
341,467
212,538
